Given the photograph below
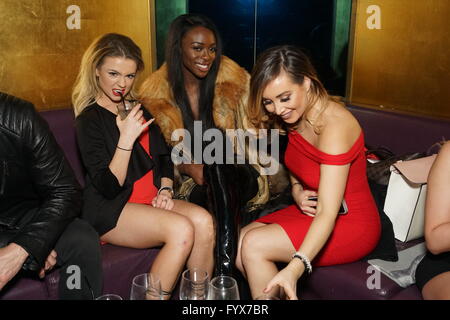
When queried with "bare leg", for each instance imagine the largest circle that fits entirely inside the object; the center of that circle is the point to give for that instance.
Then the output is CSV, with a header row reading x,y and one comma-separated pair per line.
x,y
142,226
201,256
243,232
261,248
438,288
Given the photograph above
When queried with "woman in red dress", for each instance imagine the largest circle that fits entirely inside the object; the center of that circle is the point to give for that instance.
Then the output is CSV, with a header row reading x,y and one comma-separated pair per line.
x,y
325,157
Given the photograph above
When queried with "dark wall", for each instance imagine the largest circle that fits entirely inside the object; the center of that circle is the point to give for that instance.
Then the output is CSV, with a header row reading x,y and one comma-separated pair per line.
x,y
235,21
249,27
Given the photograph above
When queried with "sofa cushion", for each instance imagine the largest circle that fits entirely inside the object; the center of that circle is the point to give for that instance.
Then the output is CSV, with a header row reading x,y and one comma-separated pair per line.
x,y
62,125
25,288
354,281
119,264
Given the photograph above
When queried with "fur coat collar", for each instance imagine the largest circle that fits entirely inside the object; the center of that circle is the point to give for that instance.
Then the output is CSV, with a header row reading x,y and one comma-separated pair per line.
x,y
231,93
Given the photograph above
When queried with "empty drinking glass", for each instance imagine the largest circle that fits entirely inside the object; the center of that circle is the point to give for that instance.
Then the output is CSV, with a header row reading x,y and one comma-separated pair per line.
x,y
109,296
146,286
194,284
223,288
267,297
125,106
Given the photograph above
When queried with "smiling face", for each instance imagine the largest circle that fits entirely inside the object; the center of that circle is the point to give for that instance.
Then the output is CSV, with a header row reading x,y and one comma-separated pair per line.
x,y
198,51
285,98
115,77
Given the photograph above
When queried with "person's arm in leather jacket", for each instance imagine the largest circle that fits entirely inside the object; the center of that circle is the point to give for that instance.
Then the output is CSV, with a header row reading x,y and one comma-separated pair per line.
x,y
55,184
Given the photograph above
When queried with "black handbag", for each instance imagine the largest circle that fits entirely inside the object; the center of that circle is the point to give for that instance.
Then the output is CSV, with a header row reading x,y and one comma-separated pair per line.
x,y
379,172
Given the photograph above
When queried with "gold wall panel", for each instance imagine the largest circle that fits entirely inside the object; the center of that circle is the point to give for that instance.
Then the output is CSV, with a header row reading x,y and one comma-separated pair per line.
x,y
40,56
404,65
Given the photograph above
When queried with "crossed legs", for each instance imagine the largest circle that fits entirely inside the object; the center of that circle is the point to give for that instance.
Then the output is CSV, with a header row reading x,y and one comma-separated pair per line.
x,y
185,234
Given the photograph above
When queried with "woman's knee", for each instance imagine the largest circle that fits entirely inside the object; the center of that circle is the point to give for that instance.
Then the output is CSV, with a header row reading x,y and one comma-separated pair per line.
x,y
251,246
180,232
203,223
438,288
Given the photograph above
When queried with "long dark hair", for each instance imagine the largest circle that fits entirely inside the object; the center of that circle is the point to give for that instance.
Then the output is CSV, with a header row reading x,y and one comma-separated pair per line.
x,y
178,28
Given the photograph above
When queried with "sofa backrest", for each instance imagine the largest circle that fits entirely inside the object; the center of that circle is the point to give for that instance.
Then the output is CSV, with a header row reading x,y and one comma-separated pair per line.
x,y
62,124
400,133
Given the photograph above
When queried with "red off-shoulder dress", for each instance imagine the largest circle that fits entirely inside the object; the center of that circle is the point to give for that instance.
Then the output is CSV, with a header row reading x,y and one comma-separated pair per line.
x,y
355,234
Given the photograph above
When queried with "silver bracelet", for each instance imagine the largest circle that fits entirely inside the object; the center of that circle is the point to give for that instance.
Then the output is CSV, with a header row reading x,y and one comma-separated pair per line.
x,y
303,258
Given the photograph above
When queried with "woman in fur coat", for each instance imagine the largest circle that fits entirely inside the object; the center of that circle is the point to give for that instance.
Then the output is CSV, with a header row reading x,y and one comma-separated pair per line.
x,y
199,89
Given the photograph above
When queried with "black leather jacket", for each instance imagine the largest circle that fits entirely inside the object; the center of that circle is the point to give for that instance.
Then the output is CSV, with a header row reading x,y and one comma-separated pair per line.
x,y
39,194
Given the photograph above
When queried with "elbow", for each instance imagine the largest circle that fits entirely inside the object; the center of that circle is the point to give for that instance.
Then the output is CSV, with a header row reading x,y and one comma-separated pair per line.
x,y
434,245
108,185
109,192
329,218
109,195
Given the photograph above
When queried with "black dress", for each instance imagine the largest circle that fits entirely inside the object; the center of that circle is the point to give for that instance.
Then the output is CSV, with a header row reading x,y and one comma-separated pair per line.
x,y
97,136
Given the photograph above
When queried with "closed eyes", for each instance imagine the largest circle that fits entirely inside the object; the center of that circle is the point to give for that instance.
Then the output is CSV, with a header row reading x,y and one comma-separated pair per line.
x,y
267,101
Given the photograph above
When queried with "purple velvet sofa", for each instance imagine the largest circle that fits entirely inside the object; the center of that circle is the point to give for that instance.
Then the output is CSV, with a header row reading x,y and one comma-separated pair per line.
x,y
398,132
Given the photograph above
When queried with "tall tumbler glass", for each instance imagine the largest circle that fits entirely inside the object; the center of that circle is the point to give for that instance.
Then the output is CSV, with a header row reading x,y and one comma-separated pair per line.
x,y
146,286
194,284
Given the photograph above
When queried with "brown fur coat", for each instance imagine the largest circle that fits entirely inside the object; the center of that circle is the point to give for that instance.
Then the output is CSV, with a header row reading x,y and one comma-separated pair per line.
x,y
231,93
230,100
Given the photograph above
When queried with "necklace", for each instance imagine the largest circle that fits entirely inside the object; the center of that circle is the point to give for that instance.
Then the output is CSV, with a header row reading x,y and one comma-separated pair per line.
x,y
307,121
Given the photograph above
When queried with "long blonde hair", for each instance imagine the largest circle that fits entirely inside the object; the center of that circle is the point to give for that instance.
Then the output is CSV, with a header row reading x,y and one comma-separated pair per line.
x,y
86,88
268,66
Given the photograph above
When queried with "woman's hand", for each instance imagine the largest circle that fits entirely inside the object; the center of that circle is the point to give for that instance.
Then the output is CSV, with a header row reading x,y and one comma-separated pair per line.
x,y
131,127
163,200
287,279
301,196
